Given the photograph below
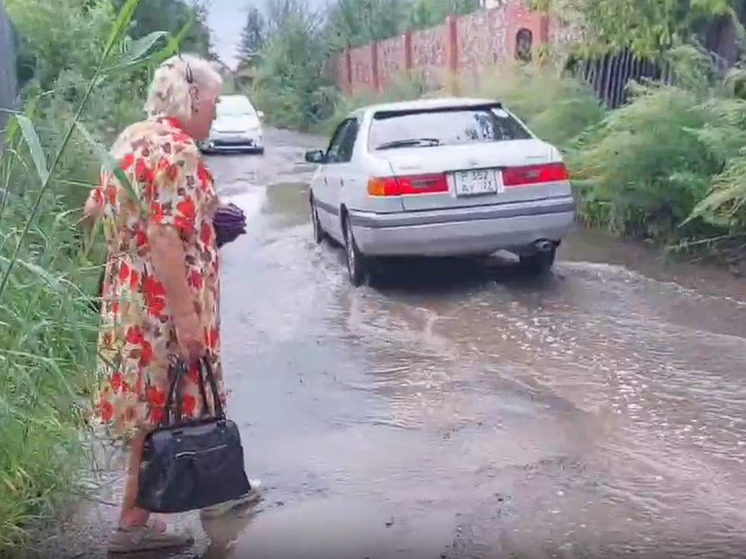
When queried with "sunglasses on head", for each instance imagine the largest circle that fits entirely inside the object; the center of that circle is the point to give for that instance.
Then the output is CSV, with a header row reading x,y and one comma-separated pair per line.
x,y
188,72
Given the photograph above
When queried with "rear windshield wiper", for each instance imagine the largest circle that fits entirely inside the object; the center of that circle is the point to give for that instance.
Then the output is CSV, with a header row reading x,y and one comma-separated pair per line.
x,y
413,142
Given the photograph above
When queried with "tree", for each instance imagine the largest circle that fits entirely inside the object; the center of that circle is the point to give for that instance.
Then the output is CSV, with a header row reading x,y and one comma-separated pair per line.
x,y
291,82
352,23
429,13
253,36
172,16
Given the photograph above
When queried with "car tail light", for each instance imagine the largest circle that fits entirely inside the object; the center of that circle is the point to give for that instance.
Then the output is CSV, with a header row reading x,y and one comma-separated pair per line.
x,y
535,174
407,185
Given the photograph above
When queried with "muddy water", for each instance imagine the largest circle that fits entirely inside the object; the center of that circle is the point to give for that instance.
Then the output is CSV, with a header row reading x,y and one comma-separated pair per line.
x,y
470,412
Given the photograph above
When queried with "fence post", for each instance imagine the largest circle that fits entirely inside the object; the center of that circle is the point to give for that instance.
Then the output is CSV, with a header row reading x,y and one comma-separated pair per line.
x,y
451,29
408,54
543,38
543,43
375,77
349,85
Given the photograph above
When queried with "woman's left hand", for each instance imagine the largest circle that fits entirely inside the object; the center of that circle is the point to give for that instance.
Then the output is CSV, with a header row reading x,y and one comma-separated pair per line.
x,y
229,222
93,209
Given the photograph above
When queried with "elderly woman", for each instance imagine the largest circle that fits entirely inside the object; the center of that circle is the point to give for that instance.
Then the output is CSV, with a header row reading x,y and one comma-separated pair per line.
x,y
160,295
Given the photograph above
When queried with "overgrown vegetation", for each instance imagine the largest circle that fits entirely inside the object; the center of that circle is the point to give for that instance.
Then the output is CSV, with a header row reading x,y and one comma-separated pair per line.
x,y
666,167
88,68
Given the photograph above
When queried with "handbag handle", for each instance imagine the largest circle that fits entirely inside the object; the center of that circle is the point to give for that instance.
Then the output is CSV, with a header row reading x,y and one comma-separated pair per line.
x,y
178,371
206,368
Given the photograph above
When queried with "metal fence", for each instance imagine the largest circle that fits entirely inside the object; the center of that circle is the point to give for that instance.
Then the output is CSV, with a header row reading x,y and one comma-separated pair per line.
x,y
609,76
8,77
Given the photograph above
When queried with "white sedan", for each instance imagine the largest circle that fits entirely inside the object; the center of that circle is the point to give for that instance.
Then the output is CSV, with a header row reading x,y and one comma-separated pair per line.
x,y
238,127
439,177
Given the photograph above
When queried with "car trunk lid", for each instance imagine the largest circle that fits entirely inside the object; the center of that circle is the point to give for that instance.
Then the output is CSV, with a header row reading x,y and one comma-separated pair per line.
x,y
472,174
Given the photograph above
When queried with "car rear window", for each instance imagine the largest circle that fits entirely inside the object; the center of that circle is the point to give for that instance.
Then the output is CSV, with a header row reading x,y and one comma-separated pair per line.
x,y
450,126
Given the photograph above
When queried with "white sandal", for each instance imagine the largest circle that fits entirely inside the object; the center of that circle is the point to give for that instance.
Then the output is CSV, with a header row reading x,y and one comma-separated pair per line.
x,y
147,538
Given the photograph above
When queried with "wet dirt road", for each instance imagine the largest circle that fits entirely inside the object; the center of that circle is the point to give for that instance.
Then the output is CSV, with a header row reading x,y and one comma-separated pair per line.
x,y
472,413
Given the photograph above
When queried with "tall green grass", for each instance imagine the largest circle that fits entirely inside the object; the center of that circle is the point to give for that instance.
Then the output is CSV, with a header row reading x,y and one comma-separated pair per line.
x,y
47,276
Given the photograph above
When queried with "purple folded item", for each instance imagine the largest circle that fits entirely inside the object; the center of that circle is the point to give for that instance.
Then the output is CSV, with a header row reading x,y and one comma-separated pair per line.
x,y
229,222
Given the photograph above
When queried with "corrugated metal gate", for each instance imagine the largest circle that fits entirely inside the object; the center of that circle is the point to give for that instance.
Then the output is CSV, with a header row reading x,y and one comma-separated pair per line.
x,y
609,75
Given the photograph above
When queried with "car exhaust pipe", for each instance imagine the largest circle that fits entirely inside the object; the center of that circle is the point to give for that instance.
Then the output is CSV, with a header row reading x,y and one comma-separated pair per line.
x,y
543,245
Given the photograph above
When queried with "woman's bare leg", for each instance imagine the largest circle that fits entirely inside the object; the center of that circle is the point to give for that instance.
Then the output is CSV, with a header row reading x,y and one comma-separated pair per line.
x,y
135,533
131,514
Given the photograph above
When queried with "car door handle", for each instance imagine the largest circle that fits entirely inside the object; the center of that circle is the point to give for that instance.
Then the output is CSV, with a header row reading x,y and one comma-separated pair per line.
x,y
326,182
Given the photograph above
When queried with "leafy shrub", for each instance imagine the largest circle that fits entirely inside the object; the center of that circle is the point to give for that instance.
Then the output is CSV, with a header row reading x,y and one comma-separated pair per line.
x,y
666,165
646,164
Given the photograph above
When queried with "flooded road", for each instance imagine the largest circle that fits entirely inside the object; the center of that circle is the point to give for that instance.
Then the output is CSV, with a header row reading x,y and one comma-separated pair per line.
x,y
459,412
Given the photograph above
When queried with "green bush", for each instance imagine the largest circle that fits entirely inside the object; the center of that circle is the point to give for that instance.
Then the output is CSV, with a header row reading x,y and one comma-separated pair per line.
x,y
646,164
291,85
666,166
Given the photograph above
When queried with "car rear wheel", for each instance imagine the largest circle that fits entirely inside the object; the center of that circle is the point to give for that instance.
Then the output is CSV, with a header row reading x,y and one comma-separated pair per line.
x,y
538,263
355,259
318,230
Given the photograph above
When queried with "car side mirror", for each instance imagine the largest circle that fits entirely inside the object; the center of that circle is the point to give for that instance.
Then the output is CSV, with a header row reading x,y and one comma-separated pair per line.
x,y
315,156
260,114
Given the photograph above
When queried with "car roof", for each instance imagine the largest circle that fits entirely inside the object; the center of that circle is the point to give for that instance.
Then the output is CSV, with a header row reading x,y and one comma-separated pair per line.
x,y
434,103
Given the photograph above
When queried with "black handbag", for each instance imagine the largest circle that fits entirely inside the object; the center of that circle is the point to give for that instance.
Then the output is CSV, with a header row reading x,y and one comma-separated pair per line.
x,y
195,464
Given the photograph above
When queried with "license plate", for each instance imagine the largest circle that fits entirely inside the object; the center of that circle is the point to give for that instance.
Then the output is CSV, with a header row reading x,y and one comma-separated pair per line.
x,y
475,183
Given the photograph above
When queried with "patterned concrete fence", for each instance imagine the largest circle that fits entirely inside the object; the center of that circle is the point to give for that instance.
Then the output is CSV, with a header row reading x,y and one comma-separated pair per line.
x,y
8,80
464,45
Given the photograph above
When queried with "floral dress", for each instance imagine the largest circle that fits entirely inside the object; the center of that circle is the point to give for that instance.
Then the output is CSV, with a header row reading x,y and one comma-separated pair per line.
x,y
137,340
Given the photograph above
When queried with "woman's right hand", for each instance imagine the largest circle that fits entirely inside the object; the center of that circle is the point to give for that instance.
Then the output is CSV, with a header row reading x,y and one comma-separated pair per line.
x,y
190,337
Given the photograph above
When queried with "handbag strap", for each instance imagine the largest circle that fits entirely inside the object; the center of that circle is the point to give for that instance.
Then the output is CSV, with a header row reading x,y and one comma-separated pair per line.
x,y
174,397
176,372
218,411
203,393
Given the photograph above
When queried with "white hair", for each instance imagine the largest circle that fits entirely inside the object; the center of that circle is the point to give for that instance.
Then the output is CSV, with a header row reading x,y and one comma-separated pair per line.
x,y
171,94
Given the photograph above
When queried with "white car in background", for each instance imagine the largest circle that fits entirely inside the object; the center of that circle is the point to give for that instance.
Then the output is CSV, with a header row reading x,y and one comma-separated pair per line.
x,y
238,127
440,177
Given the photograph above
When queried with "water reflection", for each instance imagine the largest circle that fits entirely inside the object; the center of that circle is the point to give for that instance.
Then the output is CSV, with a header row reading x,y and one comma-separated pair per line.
x,y
223,532
288,203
